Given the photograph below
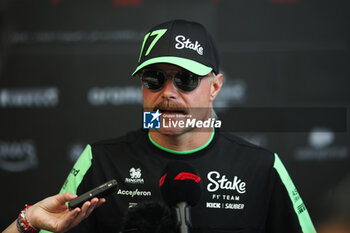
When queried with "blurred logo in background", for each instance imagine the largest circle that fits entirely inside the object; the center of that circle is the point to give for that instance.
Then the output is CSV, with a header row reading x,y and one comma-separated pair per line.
x,y
256,139
74,37
322,146
29,97
18,156
101,96
75,151
321,138
233,92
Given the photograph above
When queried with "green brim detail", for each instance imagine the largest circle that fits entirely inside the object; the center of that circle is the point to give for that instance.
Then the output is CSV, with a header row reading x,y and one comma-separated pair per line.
x,y
193,66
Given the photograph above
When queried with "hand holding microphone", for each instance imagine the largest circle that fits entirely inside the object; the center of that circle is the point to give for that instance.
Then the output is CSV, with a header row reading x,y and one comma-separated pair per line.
x,y
53,214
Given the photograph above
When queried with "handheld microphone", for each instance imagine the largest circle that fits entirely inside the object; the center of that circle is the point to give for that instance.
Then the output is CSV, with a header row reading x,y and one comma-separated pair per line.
x,y
181,188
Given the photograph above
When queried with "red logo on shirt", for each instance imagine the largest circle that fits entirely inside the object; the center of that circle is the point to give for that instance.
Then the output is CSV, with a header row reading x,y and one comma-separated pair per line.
x,y
187,176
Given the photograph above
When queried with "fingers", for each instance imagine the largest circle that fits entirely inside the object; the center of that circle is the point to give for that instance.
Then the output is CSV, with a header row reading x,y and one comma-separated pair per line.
x,y
57,202
64,197
59,219
65,223
80,215
100,202
87,209
95,203
91,208
74,217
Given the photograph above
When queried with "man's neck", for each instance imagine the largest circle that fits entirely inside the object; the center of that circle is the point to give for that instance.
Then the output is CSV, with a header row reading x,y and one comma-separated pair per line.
x,y
183,142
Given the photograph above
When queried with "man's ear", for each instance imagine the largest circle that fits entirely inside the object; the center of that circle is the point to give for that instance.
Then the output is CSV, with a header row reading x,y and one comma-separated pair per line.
x,y
216,85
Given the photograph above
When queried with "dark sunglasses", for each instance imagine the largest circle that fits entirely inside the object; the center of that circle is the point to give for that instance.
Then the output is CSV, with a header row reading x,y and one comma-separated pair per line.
x,y
183,80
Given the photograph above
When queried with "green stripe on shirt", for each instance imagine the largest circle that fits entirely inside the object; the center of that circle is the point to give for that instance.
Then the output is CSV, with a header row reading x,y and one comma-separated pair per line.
x,y
77,174
298,205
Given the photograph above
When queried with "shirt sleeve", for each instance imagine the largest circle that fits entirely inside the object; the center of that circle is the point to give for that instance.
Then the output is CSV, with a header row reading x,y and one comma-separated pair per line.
x,y
76,183
287,212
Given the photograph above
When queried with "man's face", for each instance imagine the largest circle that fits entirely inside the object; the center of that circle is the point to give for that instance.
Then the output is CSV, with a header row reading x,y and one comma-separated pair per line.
x,y
175,104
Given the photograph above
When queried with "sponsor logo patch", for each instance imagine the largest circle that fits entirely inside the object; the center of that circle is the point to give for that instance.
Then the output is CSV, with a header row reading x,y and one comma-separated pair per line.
x,y
135,176
221,182
186,43
225,192
134,193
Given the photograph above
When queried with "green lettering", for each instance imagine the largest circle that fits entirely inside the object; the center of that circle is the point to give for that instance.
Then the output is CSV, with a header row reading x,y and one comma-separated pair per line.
x,y
158,33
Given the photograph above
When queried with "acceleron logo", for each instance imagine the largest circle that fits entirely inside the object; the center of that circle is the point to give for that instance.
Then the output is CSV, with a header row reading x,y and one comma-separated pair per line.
x,y
151,120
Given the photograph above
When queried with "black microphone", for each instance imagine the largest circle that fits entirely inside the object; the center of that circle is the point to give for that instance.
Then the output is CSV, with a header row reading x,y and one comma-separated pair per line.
x,y
181,188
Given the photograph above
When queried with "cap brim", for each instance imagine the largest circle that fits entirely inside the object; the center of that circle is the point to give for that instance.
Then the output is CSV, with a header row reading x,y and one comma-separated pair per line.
x,y
193,66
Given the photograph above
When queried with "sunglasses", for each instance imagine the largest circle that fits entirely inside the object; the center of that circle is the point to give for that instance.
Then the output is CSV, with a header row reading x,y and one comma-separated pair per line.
x,y
183,80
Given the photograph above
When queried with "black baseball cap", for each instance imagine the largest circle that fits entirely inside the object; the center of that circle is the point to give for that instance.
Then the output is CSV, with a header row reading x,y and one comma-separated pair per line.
x,y
182,43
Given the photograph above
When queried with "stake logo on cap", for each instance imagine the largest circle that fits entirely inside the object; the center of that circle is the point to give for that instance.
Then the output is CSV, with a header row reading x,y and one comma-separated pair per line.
x,y
182,43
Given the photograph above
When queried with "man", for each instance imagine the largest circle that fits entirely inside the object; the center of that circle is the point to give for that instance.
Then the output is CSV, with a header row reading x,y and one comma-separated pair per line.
x,y
245,188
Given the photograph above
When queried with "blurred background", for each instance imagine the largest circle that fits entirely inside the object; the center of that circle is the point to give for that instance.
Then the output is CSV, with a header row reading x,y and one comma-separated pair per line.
x,y
65,81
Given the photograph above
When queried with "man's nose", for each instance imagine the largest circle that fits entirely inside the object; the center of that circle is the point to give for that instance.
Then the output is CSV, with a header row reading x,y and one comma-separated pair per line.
x,y
169,90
